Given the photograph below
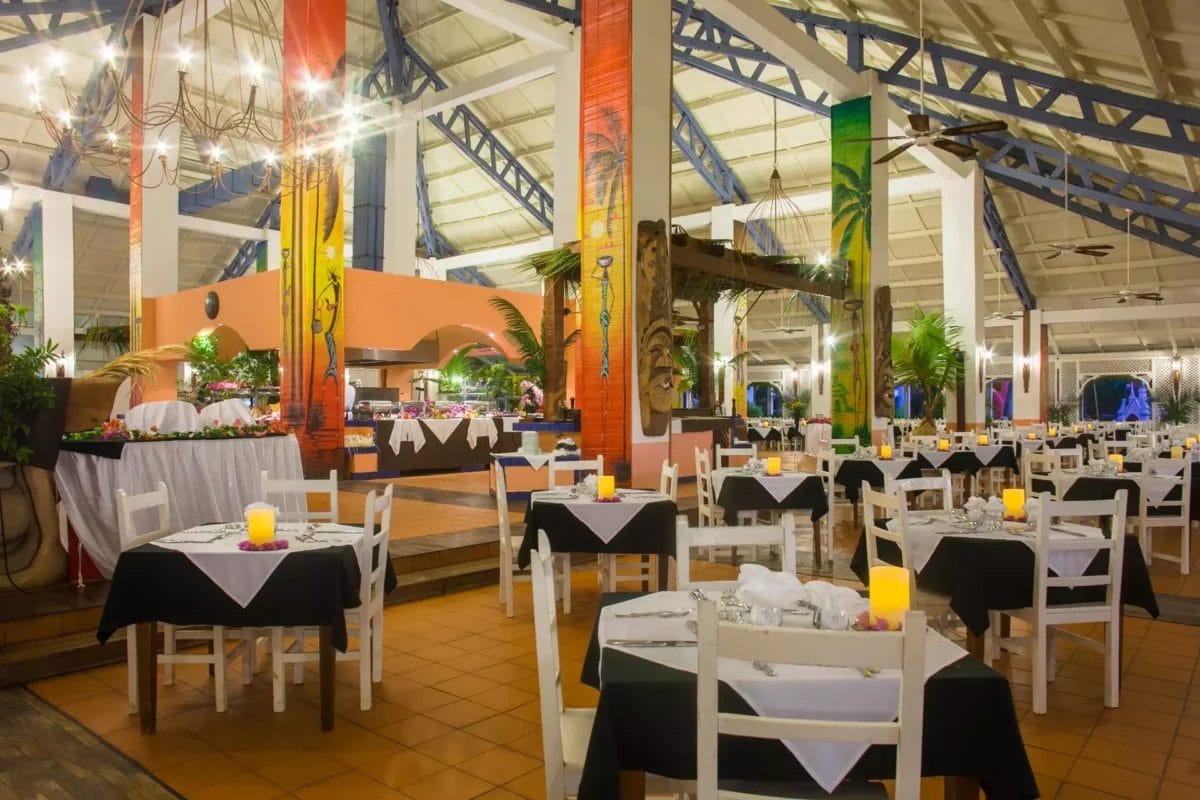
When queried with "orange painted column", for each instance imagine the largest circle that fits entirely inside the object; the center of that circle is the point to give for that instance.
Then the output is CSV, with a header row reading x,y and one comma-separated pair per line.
x,y
312,231
625,120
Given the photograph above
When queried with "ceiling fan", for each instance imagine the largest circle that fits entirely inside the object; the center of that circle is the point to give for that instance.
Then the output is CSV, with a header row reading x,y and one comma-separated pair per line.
x,y
1127,293
998,314
1056,249
921,133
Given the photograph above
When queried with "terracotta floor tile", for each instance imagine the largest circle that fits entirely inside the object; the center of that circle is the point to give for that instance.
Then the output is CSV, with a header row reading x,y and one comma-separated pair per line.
x,y
1182,770
1073,791
460,713
1113,779
200,772
348,785
502,729
1157,741
465,685
499,794
503,698
401,768
1127,715
1170,790
500,765
454,747
1124,755
292,775
1048,762
448,784
1050,739
248,786
531,785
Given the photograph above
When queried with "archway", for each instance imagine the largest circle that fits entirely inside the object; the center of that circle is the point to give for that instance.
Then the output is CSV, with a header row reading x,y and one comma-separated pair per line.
x,y
1121,398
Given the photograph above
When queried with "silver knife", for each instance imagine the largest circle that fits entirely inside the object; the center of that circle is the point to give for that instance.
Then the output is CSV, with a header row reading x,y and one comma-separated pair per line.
x,y
650,643
1068,532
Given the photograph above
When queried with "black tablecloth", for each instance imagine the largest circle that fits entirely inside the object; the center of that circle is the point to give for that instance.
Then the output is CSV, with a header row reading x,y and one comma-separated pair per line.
x,y
111,448
745,493
646,721
853,471
773,435
1096,487
309,588
651,531
968,462
981,575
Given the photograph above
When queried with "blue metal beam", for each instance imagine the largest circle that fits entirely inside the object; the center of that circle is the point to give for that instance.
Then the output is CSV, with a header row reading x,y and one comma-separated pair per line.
x,y
54,28
994,224
370,199
247,179
247,255
555,8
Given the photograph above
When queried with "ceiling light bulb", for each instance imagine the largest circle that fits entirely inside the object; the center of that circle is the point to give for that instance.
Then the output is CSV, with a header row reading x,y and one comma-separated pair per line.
x,y
108,54
64,118
270,158
831,339
183,59
160,148
823,260
307,152
32,78
312,87
56,61
214,152
254,71
112,137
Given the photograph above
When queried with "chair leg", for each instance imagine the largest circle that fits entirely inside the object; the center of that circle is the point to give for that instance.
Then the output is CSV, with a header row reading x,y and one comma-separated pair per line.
x,y
219,667
1051,654
278,671
1040,656
131,687
364,668
377,647
564,562
168,650
249,653
506,586
1185,548
1112,664
298,667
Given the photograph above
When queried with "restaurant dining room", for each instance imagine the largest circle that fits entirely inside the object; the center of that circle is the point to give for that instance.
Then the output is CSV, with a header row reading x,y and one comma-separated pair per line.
x,y
599,399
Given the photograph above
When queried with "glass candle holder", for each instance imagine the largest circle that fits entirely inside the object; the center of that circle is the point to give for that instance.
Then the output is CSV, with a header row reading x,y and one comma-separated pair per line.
x,y
260,525
606,487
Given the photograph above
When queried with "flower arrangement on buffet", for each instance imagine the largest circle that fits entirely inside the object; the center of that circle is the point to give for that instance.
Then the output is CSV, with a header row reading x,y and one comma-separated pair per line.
x,y
531,397
115,430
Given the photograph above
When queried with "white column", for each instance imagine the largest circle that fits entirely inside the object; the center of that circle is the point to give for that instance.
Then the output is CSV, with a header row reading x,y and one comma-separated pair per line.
x,y
274,250
566,146
879,239
58,276
962,281
724,311
400,200
1027,368
160,198
819,405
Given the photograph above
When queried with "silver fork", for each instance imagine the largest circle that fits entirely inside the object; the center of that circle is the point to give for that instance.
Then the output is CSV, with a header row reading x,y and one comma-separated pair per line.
x,y
761,666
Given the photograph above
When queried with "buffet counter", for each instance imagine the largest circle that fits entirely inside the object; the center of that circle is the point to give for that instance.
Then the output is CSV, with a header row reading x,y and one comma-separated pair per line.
x,y
389,447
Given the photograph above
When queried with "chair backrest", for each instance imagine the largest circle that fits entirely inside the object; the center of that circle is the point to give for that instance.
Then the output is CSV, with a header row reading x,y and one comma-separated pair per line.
x,y
904,487
851,445
723,454
962,439
903,650
1068,457
1004,436
226,412
545,628
1037,465
128,506
878,508
704,487
1116,446
687,538
1155,472
668,481
165,416
593,467
377,524
268,486
502,506
1111,515
921,442
1095,451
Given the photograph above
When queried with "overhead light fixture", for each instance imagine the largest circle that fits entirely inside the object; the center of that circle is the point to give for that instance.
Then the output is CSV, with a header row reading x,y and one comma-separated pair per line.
x,y
7,190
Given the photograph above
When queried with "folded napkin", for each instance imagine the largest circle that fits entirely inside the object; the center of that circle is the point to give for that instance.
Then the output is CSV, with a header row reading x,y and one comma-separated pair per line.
x,y
831,598
975,506
994,505
759,586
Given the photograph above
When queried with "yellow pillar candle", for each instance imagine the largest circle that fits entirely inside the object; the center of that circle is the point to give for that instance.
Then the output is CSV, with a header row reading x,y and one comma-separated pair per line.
x,y
943,444
1090,426
260,525
1053,432
606,487
885,452
1118,461
1190,442
1014,504
774,465
889,595
983,440
1074,429
1031,435
1176,452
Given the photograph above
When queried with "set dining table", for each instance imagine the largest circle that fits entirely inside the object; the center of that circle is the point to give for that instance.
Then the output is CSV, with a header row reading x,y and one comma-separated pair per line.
x,y
740,489
202,576
646,715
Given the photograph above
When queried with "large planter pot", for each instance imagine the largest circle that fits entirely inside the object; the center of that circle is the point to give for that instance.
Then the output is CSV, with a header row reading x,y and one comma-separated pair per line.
x,y
91,402
46,428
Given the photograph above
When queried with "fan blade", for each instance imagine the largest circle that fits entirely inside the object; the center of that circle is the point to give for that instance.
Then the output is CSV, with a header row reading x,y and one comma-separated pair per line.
x,y
879,139
1090,251
1155,296
1123,300
919,122
975,127
894,153
1053,255
951,146
1105,297
1104,247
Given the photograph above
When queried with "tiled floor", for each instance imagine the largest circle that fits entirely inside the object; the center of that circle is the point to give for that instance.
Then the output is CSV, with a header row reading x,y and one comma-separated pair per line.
x,y
456,716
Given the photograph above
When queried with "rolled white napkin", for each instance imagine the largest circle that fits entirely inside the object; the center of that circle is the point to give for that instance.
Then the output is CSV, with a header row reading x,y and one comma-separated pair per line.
x,y
759,586
828,597
994,505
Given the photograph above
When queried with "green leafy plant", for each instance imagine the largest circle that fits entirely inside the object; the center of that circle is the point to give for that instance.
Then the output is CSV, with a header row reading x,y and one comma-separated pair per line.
x,y
797,407
1177,409
686,355
1060,413
24,390
926,356
528,343
113,339
457,370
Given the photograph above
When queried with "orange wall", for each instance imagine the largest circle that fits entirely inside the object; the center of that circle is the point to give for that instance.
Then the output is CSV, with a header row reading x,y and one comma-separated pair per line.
x,y
394,312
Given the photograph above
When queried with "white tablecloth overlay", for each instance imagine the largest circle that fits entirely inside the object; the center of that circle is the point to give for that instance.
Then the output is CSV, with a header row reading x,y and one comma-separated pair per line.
x,y
482,428
165,416
925,536
226,412
1157,487
605,520
207,481
937,457
779,486
443,429
536,460
891,467
986,453
836,693
407,430
817,436
760,430
241,574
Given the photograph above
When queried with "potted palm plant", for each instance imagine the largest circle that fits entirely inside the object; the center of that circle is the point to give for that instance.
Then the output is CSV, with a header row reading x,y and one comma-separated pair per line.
x,y
927,357
1177,407
32,407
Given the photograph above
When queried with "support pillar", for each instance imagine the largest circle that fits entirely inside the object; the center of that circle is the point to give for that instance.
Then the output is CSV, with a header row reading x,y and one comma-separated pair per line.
x,y
1029,363
860,240
819,404
400,200
312,235
54,277
625,113
725,313
962,281
153,208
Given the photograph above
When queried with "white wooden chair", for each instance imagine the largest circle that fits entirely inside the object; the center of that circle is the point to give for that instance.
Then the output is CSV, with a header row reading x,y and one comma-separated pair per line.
x,y
912,443
705,503
721,455
903,650
364,623
1068,457
881,506
594,466
1114,446
269,487
904,487
1039,466
510,545
644,568
565,731
1168,514
963,440
687,538
1095,452
129,509
1045,618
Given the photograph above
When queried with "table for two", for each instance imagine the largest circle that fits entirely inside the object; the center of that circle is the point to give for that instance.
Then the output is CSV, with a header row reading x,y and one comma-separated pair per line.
x,y
199,576
646,723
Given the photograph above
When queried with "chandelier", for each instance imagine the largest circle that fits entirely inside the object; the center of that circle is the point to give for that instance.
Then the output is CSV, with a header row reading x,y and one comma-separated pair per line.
x,y
225,95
